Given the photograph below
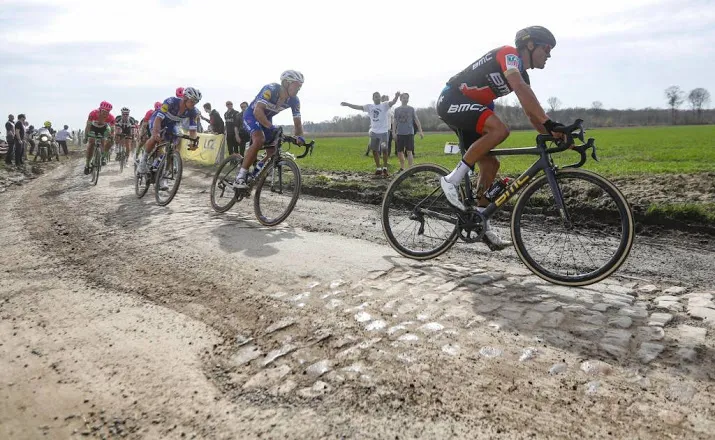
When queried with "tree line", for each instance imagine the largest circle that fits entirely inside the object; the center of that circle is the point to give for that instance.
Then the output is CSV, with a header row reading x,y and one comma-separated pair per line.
x,y
512,114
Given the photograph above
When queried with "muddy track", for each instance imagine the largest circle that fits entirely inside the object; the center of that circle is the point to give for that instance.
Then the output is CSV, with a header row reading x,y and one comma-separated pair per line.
x,y
316,328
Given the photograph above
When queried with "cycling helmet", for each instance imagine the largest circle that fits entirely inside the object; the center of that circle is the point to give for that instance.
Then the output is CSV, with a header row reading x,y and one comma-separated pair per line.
x,y
292,75
48,124
192,94
157,104
104,105
179,92
537,34
125,110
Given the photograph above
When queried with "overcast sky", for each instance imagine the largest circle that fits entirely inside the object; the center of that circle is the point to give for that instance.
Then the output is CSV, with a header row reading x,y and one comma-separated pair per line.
x,y
60,58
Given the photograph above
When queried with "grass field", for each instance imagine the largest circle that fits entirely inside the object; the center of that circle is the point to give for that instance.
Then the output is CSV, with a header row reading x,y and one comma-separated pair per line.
x,y
622,151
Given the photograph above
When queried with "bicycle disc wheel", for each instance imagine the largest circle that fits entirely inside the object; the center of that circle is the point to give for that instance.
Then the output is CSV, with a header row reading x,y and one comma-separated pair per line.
x,y
169,171
223,197
417,220
602,229
277,192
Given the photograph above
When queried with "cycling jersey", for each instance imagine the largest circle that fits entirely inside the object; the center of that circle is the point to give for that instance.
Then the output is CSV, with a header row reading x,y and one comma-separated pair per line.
x,y
125,125
147,116
100,127
269,96
96,119
467,101
485,79
169,113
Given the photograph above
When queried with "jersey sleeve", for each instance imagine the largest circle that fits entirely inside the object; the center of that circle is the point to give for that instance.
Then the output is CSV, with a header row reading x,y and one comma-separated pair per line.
x,y
164,109
267,95
295,107
509,60
92,115
193,119
110,120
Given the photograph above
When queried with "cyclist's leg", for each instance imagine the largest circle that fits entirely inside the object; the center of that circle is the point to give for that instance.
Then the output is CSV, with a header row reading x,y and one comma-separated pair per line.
x,y
150,143
90,152
259,134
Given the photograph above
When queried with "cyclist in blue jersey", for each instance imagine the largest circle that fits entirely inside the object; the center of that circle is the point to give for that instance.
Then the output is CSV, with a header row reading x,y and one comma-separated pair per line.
x,y
168,117
257,119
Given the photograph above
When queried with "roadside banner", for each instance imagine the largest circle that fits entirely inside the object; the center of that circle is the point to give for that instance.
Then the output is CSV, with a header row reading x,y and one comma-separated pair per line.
x,y
209,152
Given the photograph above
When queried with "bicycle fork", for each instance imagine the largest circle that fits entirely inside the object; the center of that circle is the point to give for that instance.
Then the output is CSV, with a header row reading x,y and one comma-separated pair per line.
x,y
558,197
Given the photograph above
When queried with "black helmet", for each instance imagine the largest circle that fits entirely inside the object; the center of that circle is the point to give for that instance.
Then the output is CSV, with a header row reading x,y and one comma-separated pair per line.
x,y
537,34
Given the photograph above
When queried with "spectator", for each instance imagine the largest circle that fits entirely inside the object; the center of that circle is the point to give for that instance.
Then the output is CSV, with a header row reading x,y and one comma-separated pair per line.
x,y
62,137
385,98
379,113
19,138
10,138
216,124
244,136
29,132
232,116
404,129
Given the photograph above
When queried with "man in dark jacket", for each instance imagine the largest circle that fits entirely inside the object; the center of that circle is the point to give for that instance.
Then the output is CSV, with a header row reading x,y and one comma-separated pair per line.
x,y
233,119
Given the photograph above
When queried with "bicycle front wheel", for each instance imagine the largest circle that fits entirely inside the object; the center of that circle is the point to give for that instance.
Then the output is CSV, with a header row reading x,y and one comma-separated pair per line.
x,y
168,179
589,249
141,181
277,192
96,164
223,196
417,220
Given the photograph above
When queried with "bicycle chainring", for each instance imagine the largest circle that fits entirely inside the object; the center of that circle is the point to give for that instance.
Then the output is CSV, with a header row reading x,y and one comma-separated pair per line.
x,y
471,227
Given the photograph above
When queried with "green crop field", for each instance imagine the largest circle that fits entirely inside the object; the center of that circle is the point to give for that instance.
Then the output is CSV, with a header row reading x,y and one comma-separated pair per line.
x,y
622,151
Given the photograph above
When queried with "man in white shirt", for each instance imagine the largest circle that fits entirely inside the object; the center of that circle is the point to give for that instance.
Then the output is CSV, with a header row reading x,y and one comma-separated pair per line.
x,y
379,113
62,136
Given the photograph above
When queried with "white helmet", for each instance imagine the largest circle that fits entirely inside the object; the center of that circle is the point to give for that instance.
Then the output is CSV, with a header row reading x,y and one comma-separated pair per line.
x,y
192,94
292,75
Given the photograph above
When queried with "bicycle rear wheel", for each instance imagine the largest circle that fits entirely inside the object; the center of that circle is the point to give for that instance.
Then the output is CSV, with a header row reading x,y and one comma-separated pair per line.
x,y
168,173
277,192
596,208
417,220
223,196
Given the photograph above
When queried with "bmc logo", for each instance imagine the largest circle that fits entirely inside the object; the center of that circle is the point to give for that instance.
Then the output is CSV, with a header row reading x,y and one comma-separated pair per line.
x,y
482,60
499,83
455,108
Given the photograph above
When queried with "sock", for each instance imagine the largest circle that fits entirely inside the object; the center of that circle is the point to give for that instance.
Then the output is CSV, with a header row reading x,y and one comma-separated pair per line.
x,y
457,175
242,173
481,209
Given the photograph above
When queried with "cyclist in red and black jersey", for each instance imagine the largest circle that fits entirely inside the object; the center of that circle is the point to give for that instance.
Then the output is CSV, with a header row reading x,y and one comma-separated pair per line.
x,y
466,105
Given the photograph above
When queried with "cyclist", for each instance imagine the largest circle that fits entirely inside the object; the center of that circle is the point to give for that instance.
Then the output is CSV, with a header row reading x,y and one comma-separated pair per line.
x,y
466,105
99,129
257,119
167,120
125,131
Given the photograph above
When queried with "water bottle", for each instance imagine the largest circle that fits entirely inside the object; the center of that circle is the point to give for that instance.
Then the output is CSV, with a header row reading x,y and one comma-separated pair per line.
x,y
157,161
257,169
496,189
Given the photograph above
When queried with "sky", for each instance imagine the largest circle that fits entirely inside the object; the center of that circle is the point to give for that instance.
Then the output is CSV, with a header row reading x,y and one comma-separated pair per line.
x,y
60,58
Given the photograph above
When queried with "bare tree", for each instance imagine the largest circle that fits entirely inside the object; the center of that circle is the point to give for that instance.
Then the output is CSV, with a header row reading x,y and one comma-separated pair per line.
x,y
675,98
597,105
554,103
699,97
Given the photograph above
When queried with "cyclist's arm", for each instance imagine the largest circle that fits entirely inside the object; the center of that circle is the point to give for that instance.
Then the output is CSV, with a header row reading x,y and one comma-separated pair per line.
x,y
353,106
298,124
86,128
529,101
260,114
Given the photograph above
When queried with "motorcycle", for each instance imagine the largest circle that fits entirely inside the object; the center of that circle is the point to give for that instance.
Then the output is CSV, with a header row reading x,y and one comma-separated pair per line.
x,y
46,145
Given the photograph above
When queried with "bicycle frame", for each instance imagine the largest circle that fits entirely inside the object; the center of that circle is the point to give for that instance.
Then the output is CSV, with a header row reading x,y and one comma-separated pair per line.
x,y
544,162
